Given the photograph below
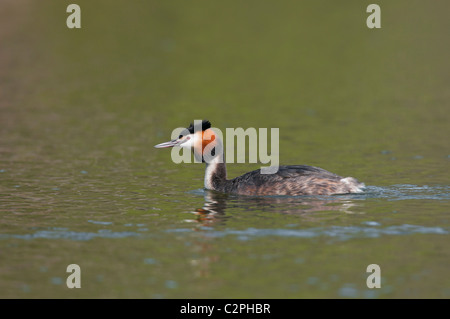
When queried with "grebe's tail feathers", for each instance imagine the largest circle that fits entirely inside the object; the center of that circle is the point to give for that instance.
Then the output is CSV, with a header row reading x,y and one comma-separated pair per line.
x,y
353,185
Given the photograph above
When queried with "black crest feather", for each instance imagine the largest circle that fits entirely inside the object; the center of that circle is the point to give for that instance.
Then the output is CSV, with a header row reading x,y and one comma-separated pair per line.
x,y
205,125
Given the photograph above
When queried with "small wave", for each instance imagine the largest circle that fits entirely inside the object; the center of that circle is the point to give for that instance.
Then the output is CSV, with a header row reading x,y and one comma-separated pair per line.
x,y
408,191
336,232
71,235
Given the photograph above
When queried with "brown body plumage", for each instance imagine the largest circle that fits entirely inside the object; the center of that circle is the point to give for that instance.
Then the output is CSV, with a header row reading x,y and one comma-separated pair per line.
x,y
289,180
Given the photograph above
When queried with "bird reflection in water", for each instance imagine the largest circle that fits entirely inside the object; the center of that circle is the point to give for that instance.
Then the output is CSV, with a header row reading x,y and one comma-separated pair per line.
x,y
213,214
213,210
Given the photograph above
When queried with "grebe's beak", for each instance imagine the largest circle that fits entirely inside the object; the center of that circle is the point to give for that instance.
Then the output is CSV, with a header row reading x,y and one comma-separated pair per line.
x,y
172,143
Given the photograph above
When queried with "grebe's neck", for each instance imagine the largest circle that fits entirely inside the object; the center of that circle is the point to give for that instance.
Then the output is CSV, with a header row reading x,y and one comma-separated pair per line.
x,y
216,173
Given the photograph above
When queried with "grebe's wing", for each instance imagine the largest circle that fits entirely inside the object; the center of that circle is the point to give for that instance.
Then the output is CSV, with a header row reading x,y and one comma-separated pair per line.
x,y
293,180
295,171
284,174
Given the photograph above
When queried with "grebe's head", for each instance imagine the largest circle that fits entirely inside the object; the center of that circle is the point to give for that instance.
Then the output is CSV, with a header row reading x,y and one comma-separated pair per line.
x,y
198,137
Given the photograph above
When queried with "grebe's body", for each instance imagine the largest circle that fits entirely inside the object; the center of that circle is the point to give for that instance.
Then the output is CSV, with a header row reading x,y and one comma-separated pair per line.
x,y
289,180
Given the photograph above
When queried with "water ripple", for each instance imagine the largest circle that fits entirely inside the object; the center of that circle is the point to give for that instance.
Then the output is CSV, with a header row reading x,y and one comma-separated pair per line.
x,y
407,191
336,232
71,235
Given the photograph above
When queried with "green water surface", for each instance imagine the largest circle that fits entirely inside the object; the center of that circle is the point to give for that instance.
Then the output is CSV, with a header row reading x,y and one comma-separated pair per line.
x,y
80,181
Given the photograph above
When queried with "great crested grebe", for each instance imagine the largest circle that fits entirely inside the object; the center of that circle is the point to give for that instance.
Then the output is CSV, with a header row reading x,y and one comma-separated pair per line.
x,y
289,180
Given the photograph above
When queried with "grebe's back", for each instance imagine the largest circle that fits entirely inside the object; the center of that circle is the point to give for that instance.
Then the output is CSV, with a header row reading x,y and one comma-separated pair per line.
x,y
292,180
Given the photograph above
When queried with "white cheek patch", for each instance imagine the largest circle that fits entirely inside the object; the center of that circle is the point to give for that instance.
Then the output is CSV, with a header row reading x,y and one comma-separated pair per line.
x,y
189,143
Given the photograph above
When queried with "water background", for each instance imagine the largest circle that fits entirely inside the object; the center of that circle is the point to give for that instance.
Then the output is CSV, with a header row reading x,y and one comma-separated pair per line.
x,y
80,181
